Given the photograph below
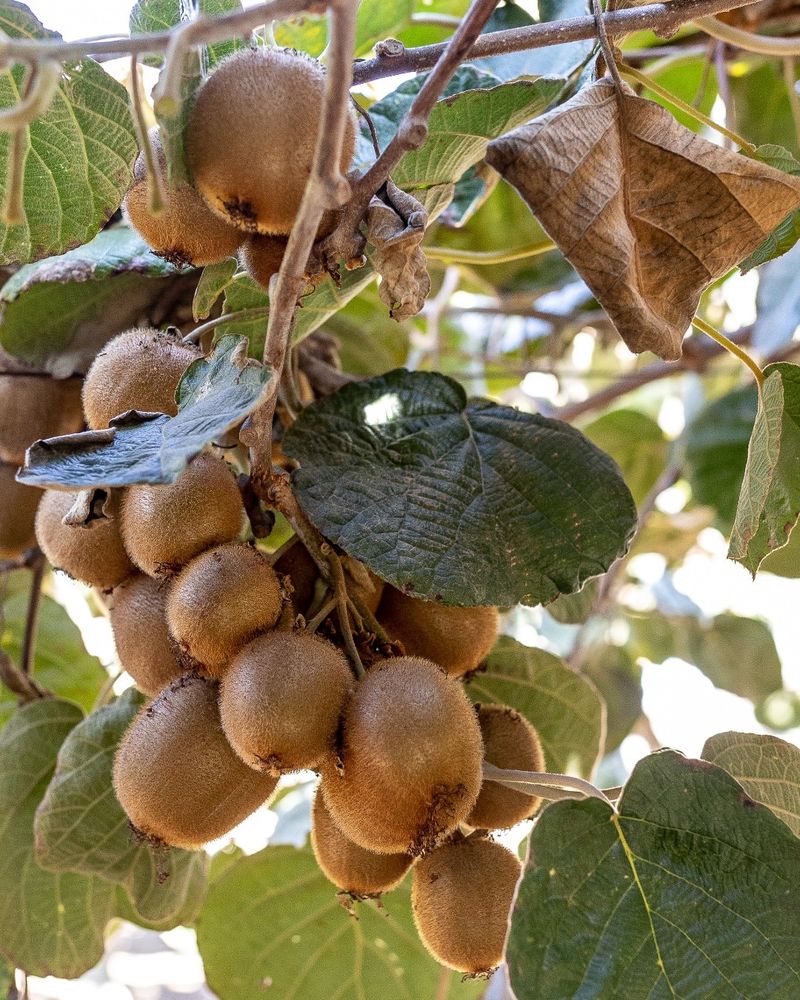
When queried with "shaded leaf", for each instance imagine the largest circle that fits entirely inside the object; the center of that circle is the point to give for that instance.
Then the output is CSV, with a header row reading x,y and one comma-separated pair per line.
x,y
572,609
636,443
687,893
56,314
787,233
214,395
769,501
767,768
80,152
461,501
562,705
314,949
609,188
672,535
213,282
615,674
50,924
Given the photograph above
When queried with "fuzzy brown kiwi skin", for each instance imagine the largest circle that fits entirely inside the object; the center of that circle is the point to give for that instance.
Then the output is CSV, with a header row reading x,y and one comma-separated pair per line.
x,y
137,370
186,232
461,896
251,137
409,759
458,639
175,775
138,610
511,742
18,505
94,555
261,256
222,599
281,700
163,527
34,407
361,874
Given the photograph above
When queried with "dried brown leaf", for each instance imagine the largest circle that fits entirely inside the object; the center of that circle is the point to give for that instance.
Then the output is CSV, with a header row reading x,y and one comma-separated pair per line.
x,y
647,212
396,228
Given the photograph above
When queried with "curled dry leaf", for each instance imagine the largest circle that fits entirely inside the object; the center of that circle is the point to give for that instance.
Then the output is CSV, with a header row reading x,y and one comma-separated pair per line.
x,y
647,212
396,227
90,505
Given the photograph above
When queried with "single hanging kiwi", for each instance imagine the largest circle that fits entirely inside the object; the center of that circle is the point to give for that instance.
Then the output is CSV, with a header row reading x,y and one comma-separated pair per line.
x,y
163,527
138,610
136,370
93,554
458,639
33,407
186,232
222,599
261,256
461,895
281,700
410,759
18,505
175,775
252,133
509,741
360,873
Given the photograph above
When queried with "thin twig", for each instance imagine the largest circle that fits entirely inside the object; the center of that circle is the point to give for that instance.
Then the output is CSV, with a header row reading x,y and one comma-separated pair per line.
x,y
257,312
765,45
321,615
43,81
32,617
729,346
156,192
19,683
485,258
542,783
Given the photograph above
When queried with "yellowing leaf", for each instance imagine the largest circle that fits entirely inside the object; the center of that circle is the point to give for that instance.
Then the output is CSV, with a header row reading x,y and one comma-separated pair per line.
x,y
647,212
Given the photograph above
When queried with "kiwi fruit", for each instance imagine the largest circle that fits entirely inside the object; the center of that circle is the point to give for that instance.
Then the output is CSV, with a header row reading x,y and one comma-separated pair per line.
x,y
93,554
163,527
261,256
136,370
409,764
281,700
175,775
220,600
362,874
137,610
18,505
36,406
186,232
458,639
252,133
509,741
461,896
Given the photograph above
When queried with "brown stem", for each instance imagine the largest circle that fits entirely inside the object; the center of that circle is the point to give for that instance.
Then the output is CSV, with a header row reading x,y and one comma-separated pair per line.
x,y
24,687
32,618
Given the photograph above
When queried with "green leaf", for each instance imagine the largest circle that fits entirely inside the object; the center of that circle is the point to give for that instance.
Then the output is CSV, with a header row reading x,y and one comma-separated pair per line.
x,y
61,663
56,314
80,152
6,978
560,703
214,395
785,236
274,921
376,20
689,892
636,443
81,827
50,924
573,609
371,341
616,676
465,502
767,768
325,301
769,502
716,450
213,281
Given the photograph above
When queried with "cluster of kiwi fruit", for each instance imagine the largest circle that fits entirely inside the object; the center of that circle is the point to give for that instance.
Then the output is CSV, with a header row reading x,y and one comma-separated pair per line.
x,y
249,143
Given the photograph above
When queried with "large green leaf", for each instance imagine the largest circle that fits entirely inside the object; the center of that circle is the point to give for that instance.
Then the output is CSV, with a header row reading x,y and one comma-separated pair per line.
x,y
273,920
57,313
61,663
636,443
50,924
690,891
563,706
769,502
81,827
464,502
214,395
79,153
767,768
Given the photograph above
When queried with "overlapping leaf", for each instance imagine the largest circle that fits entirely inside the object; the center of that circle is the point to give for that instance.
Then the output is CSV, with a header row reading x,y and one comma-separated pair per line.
x,y
215,394
787,233
688,892
50,924
607,175
79,152
461,501
636,443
